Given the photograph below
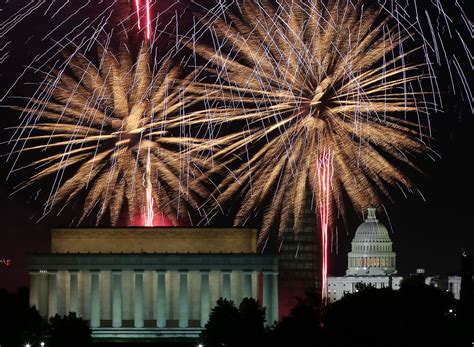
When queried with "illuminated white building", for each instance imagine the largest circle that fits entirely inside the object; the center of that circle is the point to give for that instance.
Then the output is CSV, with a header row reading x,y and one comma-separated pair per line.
x,y
372,262
450,284
371,253
132,283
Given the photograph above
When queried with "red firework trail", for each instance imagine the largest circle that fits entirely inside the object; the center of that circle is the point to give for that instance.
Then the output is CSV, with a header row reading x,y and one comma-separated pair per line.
x,y
149,214
138,6
324,180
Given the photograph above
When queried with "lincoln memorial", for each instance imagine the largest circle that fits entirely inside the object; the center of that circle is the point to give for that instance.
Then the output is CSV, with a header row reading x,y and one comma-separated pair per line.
x,y
150,282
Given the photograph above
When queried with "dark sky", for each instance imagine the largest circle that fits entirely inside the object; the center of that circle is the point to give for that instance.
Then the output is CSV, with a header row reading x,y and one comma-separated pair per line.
x,y
426,235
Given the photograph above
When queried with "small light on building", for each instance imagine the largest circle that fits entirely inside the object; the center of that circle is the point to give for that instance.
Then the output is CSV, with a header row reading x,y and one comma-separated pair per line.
x,y
42,344
27,345
200,345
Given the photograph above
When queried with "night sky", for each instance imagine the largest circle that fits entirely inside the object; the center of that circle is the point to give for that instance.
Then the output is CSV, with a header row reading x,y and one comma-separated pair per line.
x,y
426,235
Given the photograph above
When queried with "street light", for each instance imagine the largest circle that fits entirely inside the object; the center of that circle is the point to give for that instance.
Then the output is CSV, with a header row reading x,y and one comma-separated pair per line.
x,y
27,345
42,344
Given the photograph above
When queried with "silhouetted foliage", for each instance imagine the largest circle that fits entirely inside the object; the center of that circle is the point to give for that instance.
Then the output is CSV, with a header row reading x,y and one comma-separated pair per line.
x,y
21,324
69,331
252,317
302,324
363,286
365,318
231,326
36,328
415,315
221,327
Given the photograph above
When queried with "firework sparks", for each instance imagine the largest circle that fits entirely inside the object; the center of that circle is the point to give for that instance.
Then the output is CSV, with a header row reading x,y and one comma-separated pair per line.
x,y
81,22
305,77
149,213
138,7
148,20
325,171
117,130
299,78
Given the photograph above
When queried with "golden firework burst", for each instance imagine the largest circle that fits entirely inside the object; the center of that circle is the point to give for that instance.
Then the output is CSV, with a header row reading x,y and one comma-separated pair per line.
x,y
111,128
301,77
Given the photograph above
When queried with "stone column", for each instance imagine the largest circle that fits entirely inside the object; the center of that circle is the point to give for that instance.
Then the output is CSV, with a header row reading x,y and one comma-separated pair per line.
x,y
274,300
205,303
266,296
52,292
34,289
95,298
183,299
161,299
270,296
43,293
247,284
226,284
73,292
138,320
116,298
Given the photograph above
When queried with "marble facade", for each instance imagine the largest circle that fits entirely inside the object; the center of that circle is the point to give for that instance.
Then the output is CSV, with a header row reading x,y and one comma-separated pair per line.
x,y
147,294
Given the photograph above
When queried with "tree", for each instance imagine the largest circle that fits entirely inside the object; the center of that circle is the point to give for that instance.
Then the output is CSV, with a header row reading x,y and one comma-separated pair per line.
x,y
252,317
429,314
303,324
366,318
415,315
35,328
222,329
231,326
20,323
69,331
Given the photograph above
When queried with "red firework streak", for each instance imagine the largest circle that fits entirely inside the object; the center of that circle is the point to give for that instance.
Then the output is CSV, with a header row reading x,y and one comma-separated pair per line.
x,y
148,215
324,182
138,5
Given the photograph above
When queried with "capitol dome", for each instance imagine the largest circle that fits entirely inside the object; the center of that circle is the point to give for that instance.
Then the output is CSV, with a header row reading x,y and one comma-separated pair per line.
x,y
371,253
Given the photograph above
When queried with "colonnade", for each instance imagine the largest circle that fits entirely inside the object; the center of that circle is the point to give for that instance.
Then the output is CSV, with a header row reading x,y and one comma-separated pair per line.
x,y
376,261
44,295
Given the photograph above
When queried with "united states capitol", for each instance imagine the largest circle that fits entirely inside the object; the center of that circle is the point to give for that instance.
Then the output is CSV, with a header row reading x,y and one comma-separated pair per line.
x,y
372,262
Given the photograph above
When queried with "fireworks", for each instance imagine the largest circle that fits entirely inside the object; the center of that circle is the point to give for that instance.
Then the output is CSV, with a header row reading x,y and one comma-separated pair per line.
x,y
304,77
323,94
138,7
317,87
116,131
325,171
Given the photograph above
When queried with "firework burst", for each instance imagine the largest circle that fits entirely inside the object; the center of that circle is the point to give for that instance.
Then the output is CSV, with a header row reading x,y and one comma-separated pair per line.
x,y
115,130
307,77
